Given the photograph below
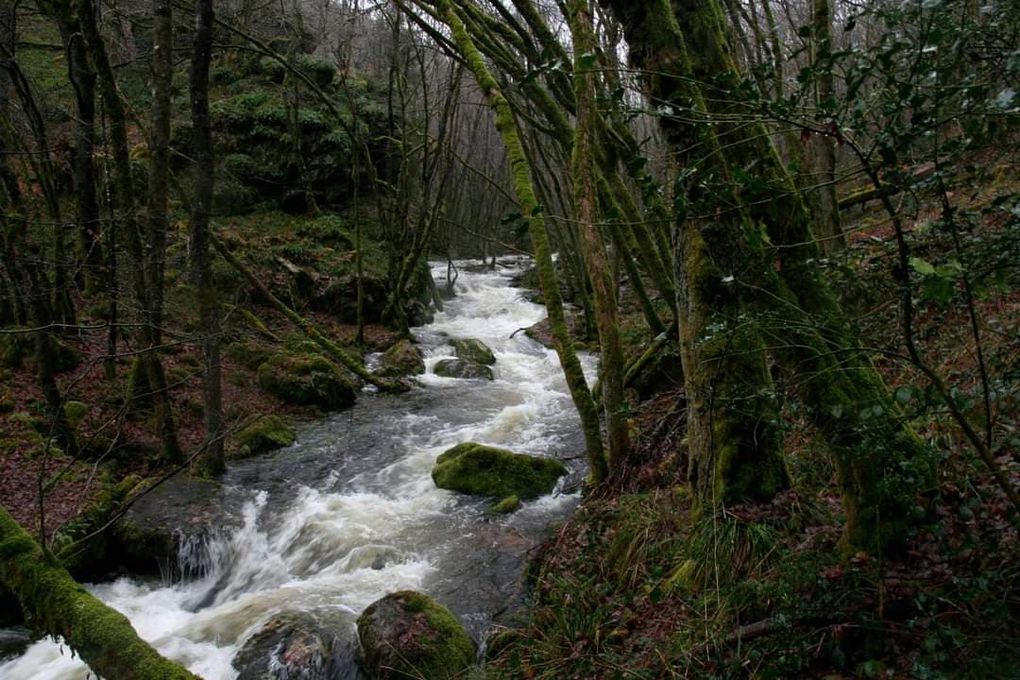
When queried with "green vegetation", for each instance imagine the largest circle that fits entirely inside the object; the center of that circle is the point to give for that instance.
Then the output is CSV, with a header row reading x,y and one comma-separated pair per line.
x,y
267,433
488,471
307,379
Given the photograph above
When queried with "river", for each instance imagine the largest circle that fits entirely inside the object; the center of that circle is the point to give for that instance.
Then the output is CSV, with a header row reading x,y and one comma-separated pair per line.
x,y
350,513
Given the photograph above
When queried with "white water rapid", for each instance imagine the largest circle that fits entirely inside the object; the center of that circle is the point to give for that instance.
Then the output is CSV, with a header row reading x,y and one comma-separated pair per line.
x,y
350,513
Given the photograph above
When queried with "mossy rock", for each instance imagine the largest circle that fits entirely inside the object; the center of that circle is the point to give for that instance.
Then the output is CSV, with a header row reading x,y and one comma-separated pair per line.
x,y
297,645
307,380
247,353
488,471
75,412
474,351
409,635
507,505
403,358
268,433
458,368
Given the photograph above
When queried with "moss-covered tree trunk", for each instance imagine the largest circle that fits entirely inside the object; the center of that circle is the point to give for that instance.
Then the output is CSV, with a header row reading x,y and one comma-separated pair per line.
x,y
523,187
593,249
830,230
881,463
57,605
733,428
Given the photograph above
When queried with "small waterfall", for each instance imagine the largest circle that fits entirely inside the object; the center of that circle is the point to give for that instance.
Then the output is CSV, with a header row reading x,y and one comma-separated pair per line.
x,y
350,513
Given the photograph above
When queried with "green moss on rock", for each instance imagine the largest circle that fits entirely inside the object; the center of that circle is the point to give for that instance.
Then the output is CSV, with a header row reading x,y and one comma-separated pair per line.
x,y
458,368
409,635
265,434
307,380
402,359
75,412
474,351
488,471
507,505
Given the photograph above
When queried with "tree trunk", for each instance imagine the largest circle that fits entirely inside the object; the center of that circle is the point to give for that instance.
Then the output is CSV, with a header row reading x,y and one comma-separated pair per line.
x,y
532,212
59,606
124,196
829,229
881,463
585,199
211,463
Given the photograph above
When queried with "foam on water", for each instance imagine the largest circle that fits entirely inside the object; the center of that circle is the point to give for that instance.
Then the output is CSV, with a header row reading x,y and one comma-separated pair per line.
x,y
369,520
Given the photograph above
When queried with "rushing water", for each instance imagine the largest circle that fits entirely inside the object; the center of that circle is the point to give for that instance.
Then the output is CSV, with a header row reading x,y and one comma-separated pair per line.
x,y
350,513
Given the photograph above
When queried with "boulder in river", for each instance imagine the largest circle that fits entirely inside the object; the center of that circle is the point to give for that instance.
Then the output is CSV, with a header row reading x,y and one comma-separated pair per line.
x,y
307,380
409,635
295,645
266,434
475,351
403,358
148,538
458,368
489,471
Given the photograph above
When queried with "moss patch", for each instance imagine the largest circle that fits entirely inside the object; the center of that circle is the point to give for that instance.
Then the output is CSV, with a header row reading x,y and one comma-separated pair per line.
x,y
507,505
474,351
265,434
306,380
401,359
488,471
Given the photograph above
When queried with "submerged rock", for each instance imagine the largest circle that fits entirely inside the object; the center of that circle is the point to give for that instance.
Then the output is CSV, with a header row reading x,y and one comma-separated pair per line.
x,y
474,351
403,358
458,368
307,380
409,635
148,538
265,434
295,645
488,471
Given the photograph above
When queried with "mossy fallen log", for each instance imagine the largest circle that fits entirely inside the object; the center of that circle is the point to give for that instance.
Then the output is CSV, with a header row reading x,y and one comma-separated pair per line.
x,y
58,605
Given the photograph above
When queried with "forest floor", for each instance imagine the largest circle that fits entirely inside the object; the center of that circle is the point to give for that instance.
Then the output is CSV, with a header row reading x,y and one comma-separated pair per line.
x,y
117,434
638,584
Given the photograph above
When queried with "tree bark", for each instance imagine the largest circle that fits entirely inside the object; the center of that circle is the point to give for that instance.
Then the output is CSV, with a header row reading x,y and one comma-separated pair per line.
x,y
532,212
585,200
211,463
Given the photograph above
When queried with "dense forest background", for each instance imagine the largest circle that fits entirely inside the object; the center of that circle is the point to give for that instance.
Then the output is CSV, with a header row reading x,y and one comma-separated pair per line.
x,y
790,228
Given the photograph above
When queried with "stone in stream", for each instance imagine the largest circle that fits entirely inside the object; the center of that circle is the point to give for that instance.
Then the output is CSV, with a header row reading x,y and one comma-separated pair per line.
x,y
458,368
474,351
409,635
488,471
267,433
182,510
401,359
295,645
307,380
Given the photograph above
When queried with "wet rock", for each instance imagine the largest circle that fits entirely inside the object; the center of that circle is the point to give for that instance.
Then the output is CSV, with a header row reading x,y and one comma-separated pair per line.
x,y
458,368
268,433
474,351
294,646
409,635
148,538
488,471
307,380
403,358
419,314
